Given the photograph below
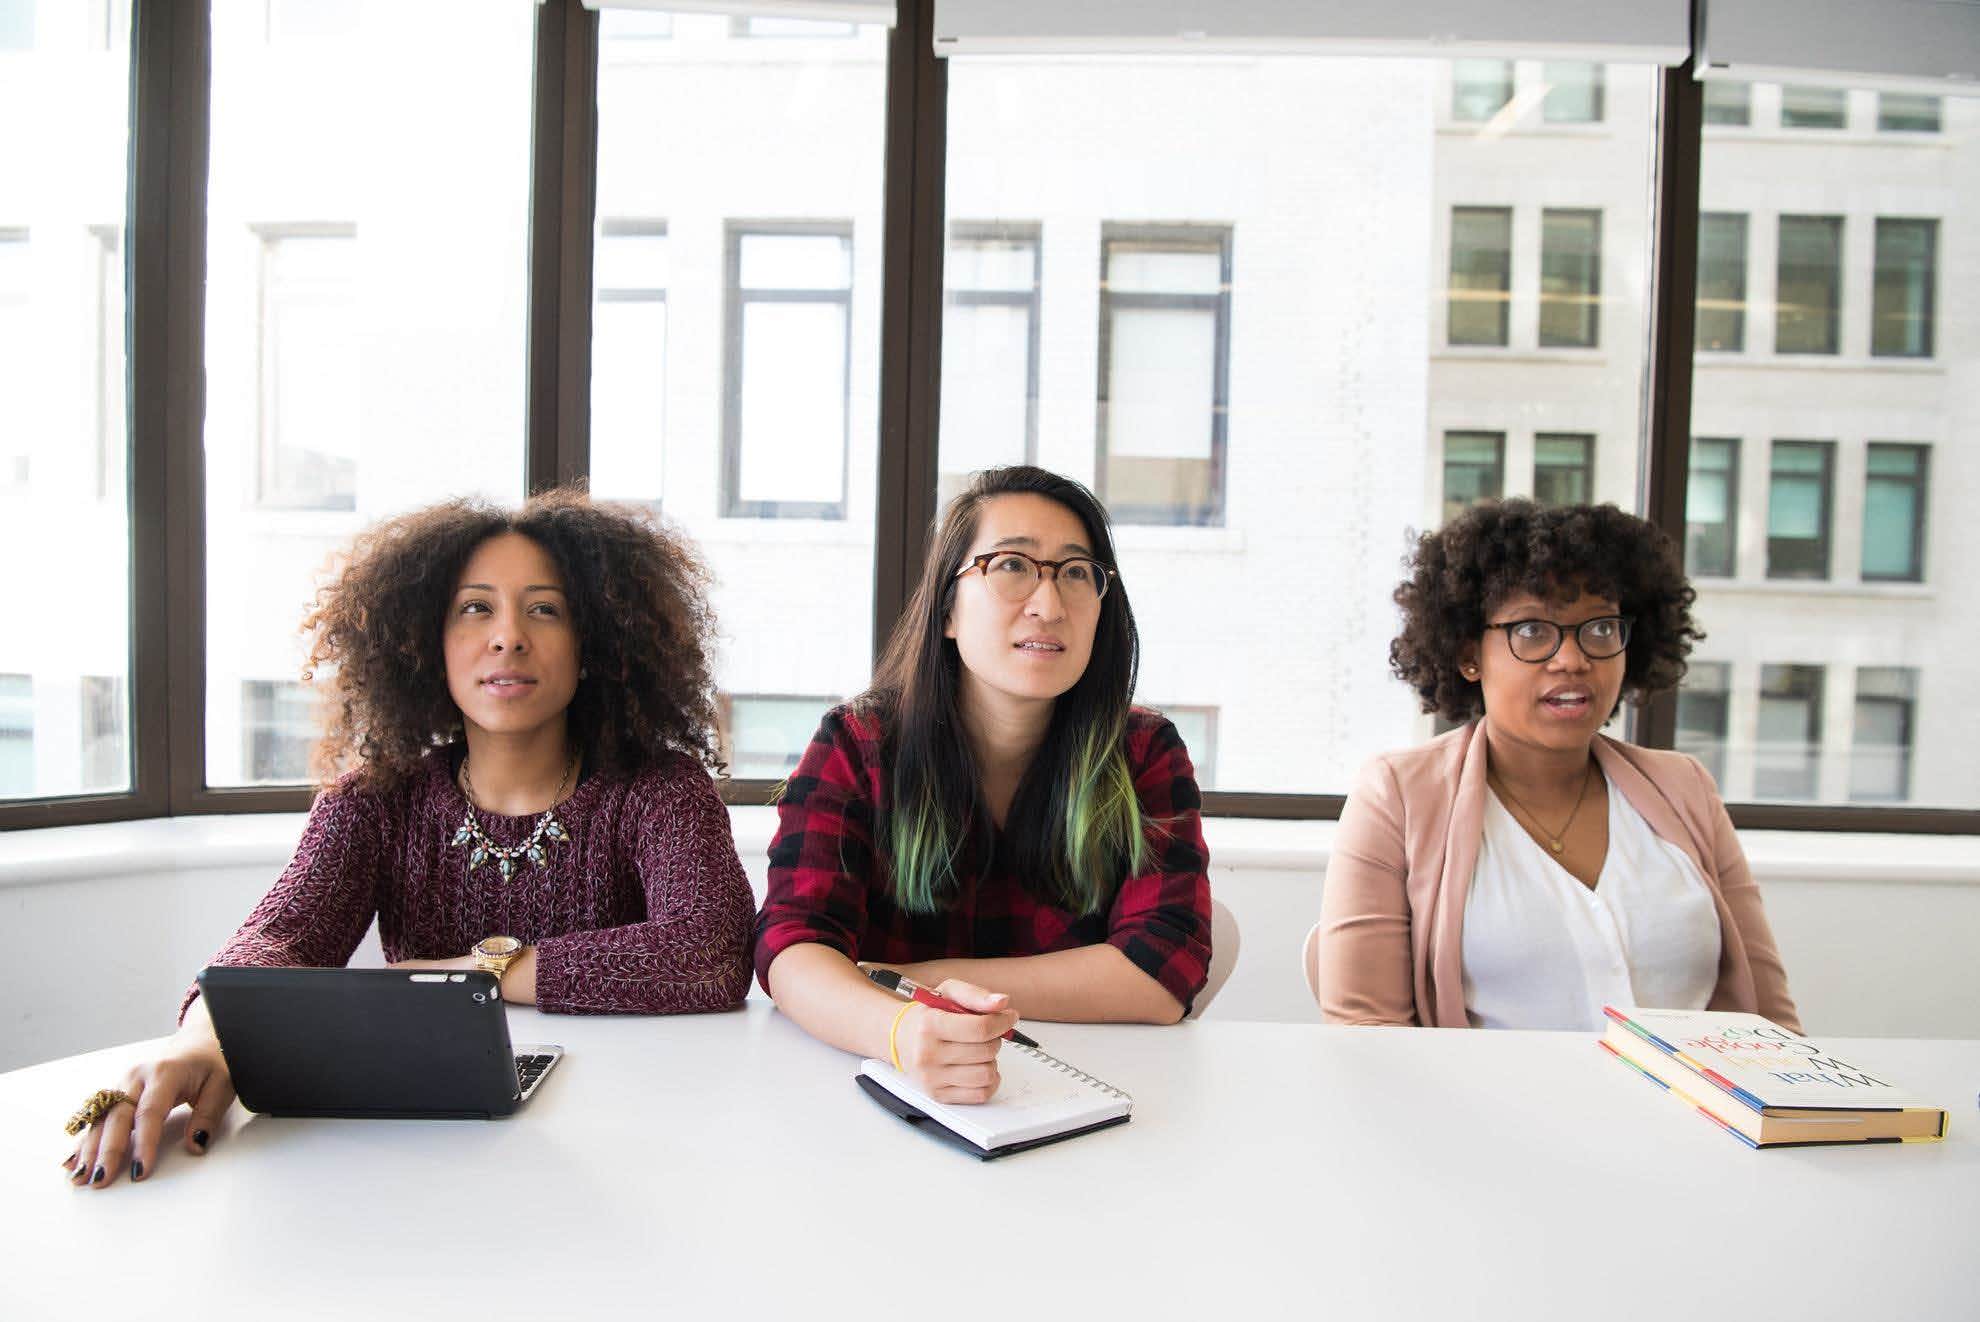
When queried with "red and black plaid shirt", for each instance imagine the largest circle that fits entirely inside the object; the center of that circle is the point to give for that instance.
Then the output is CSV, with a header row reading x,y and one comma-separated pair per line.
x,y
830,883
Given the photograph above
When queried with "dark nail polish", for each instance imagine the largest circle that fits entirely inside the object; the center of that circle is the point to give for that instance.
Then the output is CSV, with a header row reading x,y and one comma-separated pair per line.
x,y
98,1177
68,1161
199,1139
137,1170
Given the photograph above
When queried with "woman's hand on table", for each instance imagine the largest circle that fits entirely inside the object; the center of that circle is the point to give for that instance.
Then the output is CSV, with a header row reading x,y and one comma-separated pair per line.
x,y
190,1072
953,1057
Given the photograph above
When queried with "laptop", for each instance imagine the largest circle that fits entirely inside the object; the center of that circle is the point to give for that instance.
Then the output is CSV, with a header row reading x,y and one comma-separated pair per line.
x,y
386,1043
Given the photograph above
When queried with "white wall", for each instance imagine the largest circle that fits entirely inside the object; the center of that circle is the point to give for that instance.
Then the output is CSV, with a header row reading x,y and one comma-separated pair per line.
x,y
107,924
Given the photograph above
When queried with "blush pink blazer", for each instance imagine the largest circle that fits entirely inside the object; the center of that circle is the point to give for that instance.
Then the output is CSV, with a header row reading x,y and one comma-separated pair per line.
x,y
1392,917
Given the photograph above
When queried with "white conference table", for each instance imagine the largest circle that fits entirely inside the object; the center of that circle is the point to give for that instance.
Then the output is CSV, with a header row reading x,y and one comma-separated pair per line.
x,y
726,1165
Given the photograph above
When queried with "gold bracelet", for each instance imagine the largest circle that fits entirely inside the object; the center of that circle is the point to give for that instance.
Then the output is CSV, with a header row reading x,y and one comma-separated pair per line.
x,y
893,1042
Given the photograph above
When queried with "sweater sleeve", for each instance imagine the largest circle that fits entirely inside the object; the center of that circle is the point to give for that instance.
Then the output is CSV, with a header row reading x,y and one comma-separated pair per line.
x,y
1160,917
1365,971
691,952
822,859
320,908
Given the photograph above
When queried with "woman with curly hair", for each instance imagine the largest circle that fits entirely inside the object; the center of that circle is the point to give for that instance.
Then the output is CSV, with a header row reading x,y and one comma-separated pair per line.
x,y
1524,869
517,757
992,819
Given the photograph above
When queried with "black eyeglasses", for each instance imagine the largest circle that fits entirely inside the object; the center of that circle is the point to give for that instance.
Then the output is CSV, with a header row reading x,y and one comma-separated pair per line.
x,y
1535,641
1013,575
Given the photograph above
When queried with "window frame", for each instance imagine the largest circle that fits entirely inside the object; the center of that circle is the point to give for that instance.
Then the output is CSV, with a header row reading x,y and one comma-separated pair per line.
x,y
1497,468
1825,542
1731,522
1920,483
1929,285
1030,232
1505,296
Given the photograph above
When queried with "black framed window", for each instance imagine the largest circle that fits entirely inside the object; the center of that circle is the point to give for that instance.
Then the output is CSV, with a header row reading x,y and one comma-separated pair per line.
x,y
630,276
1814,108
1474,469
1721,317
764,734
787,397
1800,494
1481,276
1704,715
1908,112
1907,275
1563,468
1574,92
1570,278
1729,105
1165,347
279,728
309,415
1880,752
1808,298
1895,490
1711,508
1788,756
990,337
1480,89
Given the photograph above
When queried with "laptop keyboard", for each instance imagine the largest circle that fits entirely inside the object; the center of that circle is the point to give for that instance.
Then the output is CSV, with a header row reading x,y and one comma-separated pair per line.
x,y
529,1069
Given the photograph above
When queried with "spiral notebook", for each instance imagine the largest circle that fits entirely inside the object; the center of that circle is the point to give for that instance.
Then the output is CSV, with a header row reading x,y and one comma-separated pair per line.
x,y
1040,1099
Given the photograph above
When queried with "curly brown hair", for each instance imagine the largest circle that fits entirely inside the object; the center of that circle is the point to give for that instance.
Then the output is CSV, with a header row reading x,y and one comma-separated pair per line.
x,y
638,595
1460,573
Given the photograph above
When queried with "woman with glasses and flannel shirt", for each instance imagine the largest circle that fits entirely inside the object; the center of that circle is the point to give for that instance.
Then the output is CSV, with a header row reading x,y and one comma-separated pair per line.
x,y
992,818
1523,869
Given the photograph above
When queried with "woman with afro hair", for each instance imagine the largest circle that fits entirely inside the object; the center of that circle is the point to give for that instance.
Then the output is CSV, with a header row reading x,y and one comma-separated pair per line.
x,y
519,736
1524,869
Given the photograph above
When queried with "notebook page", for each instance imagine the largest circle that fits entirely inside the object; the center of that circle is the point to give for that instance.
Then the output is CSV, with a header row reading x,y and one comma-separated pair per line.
x,y
1037,1095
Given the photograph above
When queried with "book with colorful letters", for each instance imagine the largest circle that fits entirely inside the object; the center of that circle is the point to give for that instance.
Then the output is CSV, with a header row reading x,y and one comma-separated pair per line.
x,y
1764,1085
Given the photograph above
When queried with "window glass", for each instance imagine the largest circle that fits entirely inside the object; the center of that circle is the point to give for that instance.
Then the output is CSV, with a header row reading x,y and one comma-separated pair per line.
x,y
1704,715
1570,277
1905,112
365,313
1269,385
1574,92
1481,275
1817,552
1880,751
1814,108
1907,263
989,351
64,436
1721,316
1711,507
735,361
1728,104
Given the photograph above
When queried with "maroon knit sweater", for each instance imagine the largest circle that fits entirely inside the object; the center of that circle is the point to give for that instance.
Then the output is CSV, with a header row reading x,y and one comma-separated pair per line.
x,y
644,910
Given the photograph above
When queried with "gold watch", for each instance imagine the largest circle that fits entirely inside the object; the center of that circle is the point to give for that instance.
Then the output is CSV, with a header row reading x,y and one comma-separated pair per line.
x,y
494,954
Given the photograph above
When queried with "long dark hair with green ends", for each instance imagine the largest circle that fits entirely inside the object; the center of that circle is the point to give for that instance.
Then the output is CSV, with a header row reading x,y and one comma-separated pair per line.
x,y
1074,829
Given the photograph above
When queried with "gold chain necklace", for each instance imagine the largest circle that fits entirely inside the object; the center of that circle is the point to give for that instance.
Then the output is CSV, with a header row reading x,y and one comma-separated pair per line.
x,y
535,849
1554,842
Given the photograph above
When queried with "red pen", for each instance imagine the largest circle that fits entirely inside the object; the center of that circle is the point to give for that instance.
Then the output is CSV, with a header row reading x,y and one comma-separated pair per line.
x,y
909,989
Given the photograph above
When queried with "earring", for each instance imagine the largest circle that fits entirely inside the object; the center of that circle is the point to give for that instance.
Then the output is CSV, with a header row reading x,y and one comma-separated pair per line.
x,y
1469,672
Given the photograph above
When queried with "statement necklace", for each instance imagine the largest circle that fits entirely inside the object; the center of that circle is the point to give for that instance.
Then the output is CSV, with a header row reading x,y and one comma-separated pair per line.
x,y
548,831
1554,842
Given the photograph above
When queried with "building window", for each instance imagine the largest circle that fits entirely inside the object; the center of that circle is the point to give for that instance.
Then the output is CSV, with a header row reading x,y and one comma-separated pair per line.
x,y
106,752
989,350
16,337
1814,108
1165,345
1808,305
1570,278
1798,504
1729,104
1704,707
1563,468
1480,89
306,20
16,25
1574,92
634,25
1474,469
789,369
1907,112
278,731
1198,728
790,27
1788,754
1907,262
1481,275
1894,512
629,358
16,736
764,735
310,404
1721,317
1711,507
1880,751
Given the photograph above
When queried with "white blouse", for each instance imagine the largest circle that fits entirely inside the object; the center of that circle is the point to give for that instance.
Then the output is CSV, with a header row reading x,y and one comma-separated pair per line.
x,y
1541,950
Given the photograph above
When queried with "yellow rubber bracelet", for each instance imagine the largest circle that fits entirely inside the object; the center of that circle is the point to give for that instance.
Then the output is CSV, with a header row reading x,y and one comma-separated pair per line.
x,y
893,1042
